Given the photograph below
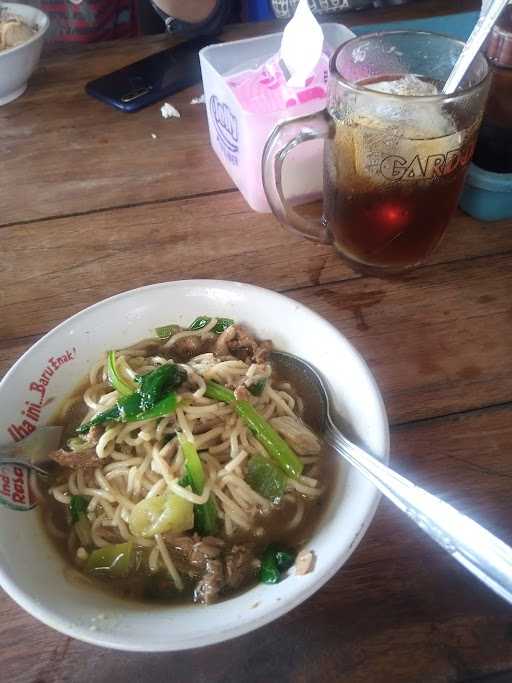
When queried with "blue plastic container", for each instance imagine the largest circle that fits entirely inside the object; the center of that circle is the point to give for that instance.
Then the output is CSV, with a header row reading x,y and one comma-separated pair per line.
x,y
487,196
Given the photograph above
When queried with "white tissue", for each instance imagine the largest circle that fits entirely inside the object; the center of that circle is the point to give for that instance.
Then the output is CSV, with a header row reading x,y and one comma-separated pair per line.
x,y
169,112
301,45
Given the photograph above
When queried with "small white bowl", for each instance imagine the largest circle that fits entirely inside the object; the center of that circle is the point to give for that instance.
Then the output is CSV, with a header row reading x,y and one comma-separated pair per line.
x,y
31,570
18,63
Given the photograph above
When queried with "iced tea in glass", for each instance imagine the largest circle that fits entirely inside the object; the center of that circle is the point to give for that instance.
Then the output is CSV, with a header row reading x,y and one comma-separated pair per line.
x,y
396,149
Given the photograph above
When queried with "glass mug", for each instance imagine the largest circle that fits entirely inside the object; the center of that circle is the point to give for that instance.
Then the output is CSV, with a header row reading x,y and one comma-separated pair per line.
x,y
396,152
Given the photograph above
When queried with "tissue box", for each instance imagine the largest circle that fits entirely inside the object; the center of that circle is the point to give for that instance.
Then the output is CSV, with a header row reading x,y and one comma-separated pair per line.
x,y
238,136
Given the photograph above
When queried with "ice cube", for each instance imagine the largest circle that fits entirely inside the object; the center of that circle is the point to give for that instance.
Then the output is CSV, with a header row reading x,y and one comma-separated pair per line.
x,y
395,133
423,120
375,150
406,86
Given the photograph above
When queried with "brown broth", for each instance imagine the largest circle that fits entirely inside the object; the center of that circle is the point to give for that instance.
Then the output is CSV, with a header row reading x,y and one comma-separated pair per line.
x,y
135,587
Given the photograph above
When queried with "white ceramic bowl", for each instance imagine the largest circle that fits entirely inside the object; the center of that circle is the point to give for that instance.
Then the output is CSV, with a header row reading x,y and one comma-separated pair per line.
x,y
31,571
18,63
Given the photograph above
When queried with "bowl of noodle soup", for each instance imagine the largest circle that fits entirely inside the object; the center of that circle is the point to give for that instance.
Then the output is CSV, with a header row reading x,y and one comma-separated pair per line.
x,y
164,460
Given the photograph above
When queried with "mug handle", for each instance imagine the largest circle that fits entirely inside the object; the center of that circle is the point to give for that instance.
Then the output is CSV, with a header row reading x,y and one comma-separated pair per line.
x,y
285,137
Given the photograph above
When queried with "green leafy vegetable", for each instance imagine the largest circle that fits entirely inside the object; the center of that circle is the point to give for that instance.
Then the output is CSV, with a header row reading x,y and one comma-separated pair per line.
x,y
77,507
123,386
284,559
185,481
164,407
151,400
205,515
81,525
124,408
265,478
161,514
221,324
274,444
218,392
193,464
116,561
256,388
206,518
199,323
274,563
166,331
154,384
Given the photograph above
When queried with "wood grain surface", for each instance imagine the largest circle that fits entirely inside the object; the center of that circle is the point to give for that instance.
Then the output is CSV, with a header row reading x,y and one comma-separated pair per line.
x,y
82,155
91,205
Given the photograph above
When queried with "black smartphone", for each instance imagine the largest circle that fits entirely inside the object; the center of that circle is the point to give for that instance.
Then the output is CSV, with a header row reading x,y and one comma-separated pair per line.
x,y
152,78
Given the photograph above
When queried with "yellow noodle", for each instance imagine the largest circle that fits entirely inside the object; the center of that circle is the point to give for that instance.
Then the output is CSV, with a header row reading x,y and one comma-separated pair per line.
x,y
153,559
183,422
142,459
232,464
164,553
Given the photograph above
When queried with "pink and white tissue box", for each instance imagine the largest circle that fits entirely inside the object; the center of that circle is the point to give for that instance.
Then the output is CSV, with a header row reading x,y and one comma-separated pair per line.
x,y
246,95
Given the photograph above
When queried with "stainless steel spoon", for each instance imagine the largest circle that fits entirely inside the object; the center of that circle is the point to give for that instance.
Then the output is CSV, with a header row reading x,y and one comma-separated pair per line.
x,y
33,451
488,558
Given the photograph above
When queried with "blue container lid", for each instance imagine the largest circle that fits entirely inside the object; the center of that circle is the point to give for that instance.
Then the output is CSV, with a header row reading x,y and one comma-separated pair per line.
x,y
487,180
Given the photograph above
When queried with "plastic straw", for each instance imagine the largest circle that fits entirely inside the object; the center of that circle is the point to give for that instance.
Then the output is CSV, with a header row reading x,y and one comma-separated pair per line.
x,y
475,42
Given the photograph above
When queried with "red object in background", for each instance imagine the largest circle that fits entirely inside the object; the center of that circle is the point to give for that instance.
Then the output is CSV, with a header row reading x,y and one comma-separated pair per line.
x,y
88,21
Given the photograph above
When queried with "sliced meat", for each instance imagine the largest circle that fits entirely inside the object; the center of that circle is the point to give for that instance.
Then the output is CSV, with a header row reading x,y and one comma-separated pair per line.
x,y
110,534
305,562
76,460
243,340
240,565
187,347
209,548
192,552
180,548
207,560
210,585
237,341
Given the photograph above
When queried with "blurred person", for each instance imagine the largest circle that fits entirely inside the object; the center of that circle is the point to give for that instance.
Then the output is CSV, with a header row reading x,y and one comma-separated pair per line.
x,y
87,21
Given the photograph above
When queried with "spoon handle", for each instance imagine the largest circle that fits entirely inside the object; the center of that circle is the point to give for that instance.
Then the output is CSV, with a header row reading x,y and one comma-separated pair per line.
x,y
488,558
6,460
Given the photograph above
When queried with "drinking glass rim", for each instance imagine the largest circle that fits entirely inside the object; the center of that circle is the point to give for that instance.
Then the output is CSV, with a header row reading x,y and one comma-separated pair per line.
x,y
361,89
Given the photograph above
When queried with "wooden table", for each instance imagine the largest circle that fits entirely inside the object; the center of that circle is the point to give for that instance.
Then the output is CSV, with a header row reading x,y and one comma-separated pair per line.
x,y
92,204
